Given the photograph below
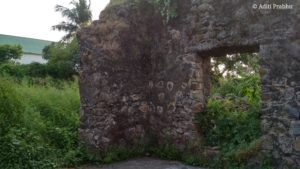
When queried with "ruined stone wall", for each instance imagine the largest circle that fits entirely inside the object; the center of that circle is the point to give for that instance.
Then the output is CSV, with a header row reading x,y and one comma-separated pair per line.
x,y
144,80
226,26
137,84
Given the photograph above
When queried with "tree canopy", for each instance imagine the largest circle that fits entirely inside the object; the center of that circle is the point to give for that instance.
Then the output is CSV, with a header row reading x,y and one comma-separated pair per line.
x,y
77,17
8,52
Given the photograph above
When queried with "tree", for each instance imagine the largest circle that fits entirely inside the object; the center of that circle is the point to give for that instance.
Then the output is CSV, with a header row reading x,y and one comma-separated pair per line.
x,y
63,59
78,16
62,51
8,52
235,65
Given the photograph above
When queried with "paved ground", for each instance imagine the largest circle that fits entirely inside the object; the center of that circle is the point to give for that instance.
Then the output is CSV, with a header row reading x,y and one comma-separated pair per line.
x,y
143,163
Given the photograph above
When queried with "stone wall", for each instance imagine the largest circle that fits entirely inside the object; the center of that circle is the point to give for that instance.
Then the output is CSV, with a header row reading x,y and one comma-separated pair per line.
x,y
137,83
143,80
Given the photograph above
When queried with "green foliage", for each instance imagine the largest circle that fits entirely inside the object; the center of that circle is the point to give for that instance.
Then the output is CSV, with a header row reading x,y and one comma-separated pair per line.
x,y
60,70
114,153
36,70
232,114
10,107
8,52
22,148
231,120
12,69
63,62
168,9
62,51
41,131
235,65
167,151
117,2
39,119
77,17
63,59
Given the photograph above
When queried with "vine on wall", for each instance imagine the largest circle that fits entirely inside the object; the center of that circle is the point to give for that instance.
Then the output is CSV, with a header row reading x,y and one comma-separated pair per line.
x,y
167,8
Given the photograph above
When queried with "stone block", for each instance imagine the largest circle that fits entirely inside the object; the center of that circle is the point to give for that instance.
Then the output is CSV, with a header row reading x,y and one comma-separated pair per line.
x,y
144,108
293,112
197,86
297,144
135,97
285,144
295,128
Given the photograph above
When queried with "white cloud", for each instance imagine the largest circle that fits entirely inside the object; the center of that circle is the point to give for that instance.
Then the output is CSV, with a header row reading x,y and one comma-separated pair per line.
x,y
34,18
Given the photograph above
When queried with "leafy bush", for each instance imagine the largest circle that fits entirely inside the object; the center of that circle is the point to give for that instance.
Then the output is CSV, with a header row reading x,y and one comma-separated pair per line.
x,y
63,63
19,146
35,70
58,70
63,59
10,107
40,124
8,52
61,69
12,69
167,151
231,119
22,148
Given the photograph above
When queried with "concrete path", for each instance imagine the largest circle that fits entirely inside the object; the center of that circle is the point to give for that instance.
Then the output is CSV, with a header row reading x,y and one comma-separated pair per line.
x,y
143,163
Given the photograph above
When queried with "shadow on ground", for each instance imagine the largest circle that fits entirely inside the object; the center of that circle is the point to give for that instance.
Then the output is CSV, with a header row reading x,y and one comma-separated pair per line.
x,y
143,163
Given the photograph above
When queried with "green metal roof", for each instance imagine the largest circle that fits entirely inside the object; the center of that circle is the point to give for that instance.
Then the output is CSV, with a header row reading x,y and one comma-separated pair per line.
x,y
29,45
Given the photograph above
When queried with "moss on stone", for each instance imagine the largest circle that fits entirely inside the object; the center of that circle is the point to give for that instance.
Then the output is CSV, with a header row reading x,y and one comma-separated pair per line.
x,y
117,2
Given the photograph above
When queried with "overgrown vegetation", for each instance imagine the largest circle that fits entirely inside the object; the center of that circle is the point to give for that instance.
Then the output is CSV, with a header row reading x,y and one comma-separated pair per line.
x,y
39,124
168,9
63,63
63,59
40,117
8,52
231,120
39,110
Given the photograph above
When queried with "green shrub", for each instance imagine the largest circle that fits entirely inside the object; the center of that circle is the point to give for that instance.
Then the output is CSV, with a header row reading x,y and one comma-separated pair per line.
x,y
14,70
61,69
8,52
231,119
10,107
40,124
36,70
63,59
22,148
58,70
167,151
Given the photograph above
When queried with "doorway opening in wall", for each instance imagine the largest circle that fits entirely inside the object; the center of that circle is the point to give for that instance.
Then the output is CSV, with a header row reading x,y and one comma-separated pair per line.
x,y
231,120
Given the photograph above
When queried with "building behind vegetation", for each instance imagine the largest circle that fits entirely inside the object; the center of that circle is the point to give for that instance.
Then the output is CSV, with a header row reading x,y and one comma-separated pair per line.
x,y
32,48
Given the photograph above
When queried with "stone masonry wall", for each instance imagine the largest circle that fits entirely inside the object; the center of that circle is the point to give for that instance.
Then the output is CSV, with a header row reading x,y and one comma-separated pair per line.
x,y
144,80
137,84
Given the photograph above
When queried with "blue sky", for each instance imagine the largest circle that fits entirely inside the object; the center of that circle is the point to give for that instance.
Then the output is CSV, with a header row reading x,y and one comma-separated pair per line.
x,y
34,18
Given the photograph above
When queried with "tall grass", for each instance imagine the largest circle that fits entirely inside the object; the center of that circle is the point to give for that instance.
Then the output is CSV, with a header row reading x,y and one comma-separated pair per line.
x,y
39,123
